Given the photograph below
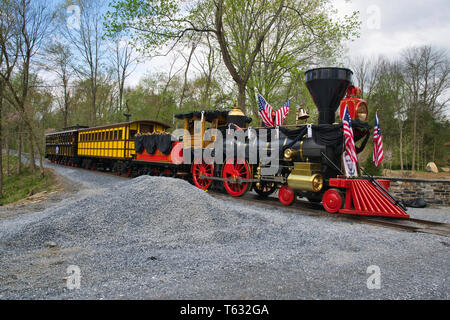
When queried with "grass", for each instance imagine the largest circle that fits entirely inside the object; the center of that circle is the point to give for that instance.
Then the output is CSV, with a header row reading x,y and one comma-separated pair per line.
x,y
19,186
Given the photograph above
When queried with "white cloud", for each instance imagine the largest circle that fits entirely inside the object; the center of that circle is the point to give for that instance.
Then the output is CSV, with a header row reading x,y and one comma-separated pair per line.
x,y
401,24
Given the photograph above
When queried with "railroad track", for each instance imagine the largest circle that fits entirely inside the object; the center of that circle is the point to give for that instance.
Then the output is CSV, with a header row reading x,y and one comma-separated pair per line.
x,y
314,209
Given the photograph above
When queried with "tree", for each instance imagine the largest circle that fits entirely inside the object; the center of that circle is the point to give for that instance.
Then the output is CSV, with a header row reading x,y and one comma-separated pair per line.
x,y
239,27
9,53
427,74
124,61
208,64
58,59
86,39
33,21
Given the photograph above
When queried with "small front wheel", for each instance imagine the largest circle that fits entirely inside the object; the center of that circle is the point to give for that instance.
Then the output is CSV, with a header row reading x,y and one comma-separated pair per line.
x,y
286,195
332,200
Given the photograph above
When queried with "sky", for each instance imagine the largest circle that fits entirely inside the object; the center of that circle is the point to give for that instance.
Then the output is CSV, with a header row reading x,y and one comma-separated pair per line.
x,y
388,27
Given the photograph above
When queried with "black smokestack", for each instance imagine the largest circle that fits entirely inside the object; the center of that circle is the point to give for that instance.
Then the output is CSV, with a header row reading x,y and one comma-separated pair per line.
x,y
327,87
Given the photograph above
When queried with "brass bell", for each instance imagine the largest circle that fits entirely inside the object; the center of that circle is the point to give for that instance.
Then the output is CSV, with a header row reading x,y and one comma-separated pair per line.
x,y
302,114
236,111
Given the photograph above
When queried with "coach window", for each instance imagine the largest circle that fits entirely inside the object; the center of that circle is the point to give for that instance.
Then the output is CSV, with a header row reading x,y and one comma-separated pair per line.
x,y
146,128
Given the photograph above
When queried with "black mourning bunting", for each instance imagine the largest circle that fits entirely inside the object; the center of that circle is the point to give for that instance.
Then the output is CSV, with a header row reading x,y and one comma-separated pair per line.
x,y
151,142
329,135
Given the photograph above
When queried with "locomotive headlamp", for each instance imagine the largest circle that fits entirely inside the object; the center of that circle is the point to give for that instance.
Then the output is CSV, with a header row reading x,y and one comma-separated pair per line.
x,y
317,183
362,112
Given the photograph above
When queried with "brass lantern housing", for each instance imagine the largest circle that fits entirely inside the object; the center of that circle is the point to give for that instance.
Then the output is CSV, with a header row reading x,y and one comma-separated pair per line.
x,y
362,112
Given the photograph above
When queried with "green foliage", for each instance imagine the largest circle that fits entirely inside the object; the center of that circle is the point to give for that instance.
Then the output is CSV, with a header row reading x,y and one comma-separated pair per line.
x,y
153,17
370,167
390,94
19,186
265,44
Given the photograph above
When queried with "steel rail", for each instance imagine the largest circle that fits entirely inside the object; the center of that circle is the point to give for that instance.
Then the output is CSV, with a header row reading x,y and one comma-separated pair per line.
x,y
409,225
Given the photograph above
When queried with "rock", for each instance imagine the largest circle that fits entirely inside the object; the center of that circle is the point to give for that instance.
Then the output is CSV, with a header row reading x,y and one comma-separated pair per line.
x,y
50,244
431,167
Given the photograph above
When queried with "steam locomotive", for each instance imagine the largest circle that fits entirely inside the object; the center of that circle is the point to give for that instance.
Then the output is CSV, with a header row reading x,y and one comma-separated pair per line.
x,y
309,156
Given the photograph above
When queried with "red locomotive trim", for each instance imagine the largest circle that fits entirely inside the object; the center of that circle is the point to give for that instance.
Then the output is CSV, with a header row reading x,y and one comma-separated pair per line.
x,y
173,157
353,104
363,198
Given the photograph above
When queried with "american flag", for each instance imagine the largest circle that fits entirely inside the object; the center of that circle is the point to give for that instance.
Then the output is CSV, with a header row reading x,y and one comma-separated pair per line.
x,y
282,113
348,136
377,143
265,111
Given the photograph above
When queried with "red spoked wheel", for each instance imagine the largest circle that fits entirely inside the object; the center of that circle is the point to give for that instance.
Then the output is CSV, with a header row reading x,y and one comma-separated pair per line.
x,y
204,169
236,171
332,200
286,195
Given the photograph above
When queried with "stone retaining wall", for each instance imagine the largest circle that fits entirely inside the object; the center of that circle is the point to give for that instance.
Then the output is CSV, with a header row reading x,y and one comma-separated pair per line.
x,y
434,192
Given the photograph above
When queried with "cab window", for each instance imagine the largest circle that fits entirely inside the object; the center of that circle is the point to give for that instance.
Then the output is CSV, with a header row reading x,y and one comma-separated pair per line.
x,y
146,128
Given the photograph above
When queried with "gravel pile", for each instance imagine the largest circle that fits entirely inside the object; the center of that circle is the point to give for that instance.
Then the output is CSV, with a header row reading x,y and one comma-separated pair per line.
x,y
99,229
156,237
151,209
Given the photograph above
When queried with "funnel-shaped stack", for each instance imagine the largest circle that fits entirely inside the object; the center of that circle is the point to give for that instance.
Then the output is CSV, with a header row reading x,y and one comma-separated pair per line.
x,y
327,87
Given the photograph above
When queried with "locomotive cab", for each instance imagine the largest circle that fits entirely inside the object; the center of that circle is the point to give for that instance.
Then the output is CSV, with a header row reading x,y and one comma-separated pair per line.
x,y
195,125
197,122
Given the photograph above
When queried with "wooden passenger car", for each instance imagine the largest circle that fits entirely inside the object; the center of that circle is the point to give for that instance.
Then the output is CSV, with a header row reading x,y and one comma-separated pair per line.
x,y
61,144
115,141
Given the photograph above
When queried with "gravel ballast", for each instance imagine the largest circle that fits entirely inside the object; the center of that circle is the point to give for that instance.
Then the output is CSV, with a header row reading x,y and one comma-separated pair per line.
x,y
162,238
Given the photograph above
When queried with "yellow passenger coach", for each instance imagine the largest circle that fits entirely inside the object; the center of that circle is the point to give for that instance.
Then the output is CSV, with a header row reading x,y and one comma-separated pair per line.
x,y
115,141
